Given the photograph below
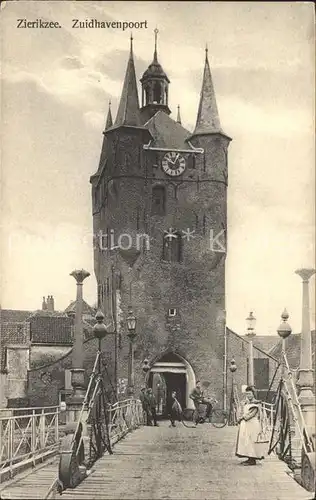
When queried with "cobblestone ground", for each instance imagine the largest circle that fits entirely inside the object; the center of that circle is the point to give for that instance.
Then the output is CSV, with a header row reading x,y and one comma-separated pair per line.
x,y
180,463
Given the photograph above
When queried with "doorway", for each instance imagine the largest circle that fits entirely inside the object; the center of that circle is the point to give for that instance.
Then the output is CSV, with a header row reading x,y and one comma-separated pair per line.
x,y
171,373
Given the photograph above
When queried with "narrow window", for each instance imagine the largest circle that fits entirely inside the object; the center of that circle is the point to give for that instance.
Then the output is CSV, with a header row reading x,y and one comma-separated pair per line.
x,y
99,295
192,161
172,247
204,224
158,200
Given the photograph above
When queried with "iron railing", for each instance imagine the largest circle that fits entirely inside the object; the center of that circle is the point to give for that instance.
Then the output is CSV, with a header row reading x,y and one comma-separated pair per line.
x,y
25,434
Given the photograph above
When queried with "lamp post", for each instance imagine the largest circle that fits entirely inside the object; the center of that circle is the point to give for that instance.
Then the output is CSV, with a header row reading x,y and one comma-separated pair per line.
x,y
251,322
284,331
131,333
305,374
145,369
233,402
77,371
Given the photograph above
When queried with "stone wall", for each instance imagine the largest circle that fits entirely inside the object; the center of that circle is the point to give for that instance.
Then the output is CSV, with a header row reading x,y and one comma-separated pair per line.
x,y
45,381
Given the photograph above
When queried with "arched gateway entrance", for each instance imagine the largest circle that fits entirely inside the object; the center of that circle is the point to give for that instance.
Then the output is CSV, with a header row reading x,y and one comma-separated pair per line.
x,y
170,373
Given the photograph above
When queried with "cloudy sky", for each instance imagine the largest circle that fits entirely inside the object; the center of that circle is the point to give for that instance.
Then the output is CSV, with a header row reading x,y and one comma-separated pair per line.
x,y
55,91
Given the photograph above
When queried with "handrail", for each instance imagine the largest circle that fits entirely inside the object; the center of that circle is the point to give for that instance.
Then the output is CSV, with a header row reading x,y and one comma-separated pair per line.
x,y
303,430
25,437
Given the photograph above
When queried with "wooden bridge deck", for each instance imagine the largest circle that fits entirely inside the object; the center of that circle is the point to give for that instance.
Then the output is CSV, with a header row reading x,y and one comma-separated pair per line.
x,y
33,483
173,463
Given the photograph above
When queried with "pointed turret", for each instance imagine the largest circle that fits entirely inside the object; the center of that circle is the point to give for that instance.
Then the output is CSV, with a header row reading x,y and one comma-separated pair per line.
x,y
128,110
109,121
178,115
154,87
207,118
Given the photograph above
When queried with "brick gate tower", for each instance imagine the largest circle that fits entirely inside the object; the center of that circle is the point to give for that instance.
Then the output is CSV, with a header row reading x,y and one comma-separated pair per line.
x,y
160,218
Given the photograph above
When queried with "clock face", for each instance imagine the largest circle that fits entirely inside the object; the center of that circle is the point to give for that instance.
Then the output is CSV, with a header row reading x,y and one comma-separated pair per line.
x,y
173,164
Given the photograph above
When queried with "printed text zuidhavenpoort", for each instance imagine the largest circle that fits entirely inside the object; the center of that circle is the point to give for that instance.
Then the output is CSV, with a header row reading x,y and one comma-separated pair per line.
x,y
78,23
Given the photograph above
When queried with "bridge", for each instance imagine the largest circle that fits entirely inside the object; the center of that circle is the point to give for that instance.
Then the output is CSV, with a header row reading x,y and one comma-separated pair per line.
x,y
108,452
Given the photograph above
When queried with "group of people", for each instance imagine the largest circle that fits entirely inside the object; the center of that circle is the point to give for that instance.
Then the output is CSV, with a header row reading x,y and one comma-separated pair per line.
x,y
252,425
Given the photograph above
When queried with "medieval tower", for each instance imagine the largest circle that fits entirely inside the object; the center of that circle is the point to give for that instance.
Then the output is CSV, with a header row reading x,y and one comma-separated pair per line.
x,y
160,218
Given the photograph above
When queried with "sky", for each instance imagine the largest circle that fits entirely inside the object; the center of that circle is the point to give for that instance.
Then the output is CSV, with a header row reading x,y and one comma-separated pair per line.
x,y
55,89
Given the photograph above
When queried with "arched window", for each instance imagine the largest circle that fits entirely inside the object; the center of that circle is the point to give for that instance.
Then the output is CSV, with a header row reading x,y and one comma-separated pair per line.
x,y
172,246
158,206
157,93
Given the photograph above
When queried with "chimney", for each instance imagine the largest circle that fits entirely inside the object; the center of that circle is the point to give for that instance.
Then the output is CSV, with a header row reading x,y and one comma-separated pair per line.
x,y
50,303
44,305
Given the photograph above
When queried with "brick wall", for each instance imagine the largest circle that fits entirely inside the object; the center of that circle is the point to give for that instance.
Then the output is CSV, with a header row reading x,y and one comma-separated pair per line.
x,y
196,286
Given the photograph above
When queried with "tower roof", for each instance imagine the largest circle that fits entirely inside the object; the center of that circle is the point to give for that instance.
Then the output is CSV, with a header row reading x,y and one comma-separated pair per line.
x,y
155,70
109,121
207,121
128,110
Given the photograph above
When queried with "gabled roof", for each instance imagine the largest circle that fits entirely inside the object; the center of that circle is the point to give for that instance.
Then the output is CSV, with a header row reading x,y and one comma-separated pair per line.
x,y
266,342
166,132
293,349
51,330
86,309
13,333
12,315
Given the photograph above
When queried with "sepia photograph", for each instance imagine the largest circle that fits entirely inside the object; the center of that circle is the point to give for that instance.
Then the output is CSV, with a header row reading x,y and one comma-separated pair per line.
x,y
157,237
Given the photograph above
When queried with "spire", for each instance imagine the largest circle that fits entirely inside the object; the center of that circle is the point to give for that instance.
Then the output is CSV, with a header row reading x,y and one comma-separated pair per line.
x,y
109,121
178,115
207,119
156,31
128,110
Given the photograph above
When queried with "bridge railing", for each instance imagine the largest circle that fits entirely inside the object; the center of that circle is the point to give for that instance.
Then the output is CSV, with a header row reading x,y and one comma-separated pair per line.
x,y
25,434
291,439
99,425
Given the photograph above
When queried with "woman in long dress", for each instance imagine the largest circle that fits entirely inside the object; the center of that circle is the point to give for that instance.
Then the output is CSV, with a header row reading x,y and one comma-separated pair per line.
x,y
248,430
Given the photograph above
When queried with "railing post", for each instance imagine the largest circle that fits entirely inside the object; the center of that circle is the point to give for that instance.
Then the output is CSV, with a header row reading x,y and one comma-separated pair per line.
x,y
11,438
57,425
42,429
33,432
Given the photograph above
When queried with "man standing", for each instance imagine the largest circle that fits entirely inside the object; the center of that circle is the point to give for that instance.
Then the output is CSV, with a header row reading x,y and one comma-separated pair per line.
x,y
144,401
198,399
152,403
174,410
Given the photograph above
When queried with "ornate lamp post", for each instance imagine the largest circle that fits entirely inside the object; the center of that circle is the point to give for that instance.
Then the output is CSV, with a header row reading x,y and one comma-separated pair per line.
x,y
251,323
131,333
77,372
305,374
145,369
284,331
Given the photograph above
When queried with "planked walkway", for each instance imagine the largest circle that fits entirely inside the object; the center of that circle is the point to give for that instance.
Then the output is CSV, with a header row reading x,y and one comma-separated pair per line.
x,y
31,484
162,463
179,463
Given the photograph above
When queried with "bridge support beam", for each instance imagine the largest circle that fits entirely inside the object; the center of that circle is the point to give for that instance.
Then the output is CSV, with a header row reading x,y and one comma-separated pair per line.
x,y
305,380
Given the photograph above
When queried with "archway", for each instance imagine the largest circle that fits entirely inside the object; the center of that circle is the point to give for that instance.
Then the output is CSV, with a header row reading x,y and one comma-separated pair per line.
x,y
172,372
